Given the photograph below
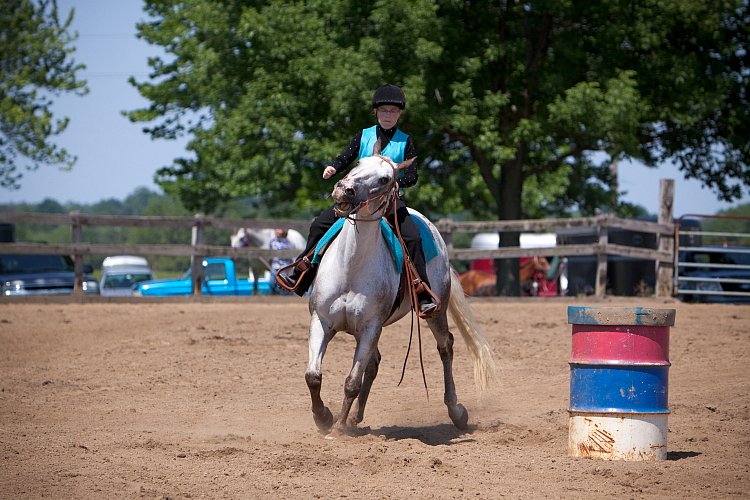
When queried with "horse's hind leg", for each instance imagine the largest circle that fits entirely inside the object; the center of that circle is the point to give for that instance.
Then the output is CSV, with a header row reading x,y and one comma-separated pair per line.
x,y
371,371
318,342
456,411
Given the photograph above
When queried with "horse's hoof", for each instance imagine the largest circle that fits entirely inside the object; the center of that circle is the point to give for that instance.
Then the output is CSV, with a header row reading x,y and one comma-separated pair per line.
x,y
338,431
459,416
324,421
345,430
353,421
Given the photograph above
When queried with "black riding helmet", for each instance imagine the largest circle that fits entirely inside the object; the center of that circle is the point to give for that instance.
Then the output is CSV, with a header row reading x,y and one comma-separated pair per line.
x,y
389,94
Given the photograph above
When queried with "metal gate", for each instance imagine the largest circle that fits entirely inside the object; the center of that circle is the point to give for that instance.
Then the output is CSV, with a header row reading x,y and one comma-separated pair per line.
x,y
712,258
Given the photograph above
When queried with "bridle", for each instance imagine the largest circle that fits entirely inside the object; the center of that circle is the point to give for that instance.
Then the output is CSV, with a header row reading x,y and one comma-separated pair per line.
x,y
389,196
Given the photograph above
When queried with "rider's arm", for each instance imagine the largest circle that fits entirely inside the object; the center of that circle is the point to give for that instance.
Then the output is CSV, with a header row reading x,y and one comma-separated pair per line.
x,y
409,175
348,155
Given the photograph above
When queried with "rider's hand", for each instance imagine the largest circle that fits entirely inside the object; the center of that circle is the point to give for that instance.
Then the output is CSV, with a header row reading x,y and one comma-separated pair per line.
x,y
329,172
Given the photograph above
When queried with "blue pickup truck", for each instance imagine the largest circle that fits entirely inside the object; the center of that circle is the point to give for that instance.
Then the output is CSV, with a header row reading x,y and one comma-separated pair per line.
x,y
219,278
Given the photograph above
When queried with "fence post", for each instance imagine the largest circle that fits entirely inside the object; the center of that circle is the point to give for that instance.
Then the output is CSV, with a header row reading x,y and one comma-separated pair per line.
x,y
196,260
665,270
601,258
446,232
75,236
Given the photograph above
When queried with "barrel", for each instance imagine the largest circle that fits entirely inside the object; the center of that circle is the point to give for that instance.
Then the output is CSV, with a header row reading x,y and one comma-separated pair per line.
x,y
619,378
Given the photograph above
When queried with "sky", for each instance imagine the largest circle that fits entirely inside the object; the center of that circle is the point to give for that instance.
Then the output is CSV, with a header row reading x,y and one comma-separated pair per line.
x,y
115,156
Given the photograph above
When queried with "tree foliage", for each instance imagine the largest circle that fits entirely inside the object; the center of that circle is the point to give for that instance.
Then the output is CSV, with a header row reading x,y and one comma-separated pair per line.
x,y
36,65
517,108
734,221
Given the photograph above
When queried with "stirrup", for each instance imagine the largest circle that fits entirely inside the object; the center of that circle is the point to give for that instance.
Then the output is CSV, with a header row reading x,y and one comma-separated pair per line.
x,y
429,306
285,281
427,309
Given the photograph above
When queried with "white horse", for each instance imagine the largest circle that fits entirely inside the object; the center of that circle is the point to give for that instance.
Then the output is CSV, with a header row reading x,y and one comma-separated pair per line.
x,y
246,236
355,290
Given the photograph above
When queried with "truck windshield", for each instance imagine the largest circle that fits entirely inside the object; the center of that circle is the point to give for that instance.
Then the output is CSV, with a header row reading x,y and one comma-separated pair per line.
x,y
26,264
126,280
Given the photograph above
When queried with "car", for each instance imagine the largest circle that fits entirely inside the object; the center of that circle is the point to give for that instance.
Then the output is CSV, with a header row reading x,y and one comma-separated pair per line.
x,y
124,260
122,273
219,278
41,274
715,274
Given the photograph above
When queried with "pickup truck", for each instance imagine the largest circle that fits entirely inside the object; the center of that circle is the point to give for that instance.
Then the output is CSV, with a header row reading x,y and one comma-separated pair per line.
x,y
35,274
121,273
219,278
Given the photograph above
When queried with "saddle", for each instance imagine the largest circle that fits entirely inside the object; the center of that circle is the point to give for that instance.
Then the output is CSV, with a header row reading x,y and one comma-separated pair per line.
x,y
401,261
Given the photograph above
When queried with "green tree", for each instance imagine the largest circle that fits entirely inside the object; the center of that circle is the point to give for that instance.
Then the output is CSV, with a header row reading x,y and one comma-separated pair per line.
x,y
732,223
35,50
518,109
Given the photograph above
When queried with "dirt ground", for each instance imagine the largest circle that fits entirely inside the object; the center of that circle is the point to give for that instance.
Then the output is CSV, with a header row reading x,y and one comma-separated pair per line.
x,y
185,399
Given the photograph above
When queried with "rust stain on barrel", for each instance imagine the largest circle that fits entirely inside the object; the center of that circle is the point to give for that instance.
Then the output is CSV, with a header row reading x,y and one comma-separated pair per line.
x,y
598,441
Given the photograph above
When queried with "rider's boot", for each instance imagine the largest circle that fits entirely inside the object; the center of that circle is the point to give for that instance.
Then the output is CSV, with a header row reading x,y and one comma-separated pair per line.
x,y
425,299
427,304
291,281
303,269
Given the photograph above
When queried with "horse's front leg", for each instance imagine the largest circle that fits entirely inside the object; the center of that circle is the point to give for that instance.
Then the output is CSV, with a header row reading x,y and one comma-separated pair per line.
x,y
456,411
366,348
364,392
317,343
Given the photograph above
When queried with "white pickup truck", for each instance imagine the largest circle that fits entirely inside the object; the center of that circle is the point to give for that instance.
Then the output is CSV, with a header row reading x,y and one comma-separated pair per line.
x,y
121,273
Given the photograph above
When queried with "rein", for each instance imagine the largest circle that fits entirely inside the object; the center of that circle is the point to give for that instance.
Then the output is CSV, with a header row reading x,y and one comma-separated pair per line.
x,y
411,278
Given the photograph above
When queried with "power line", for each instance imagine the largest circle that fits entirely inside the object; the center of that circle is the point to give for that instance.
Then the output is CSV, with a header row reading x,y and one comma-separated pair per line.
x,y
116,74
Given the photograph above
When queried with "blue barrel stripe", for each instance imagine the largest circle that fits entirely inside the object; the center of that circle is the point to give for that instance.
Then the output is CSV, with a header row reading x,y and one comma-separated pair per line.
x,y
619,389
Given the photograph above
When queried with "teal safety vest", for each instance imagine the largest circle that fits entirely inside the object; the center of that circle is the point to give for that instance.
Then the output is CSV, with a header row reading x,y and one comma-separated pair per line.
x,y
394,150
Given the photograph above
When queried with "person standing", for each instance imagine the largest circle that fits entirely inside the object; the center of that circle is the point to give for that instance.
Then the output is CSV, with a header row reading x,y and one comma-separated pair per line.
x,y
279,242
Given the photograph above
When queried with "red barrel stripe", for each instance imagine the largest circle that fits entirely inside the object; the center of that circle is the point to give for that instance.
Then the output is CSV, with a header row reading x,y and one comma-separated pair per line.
x,y
626,343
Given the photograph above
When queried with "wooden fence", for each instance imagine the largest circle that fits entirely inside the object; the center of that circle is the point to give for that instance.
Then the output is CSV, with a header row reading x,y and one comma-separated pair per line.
x,y
663,229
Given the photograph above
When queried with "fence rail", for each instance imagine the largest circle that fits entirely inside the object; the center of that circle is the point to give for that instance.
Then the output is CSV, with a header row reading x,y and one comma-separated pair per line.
x,y
600,226
711,271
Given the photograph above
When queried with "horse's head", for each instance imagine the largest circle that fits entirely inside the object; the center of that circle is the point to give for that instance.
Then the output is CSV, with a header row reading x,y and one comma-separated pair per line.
x,y
239,239
247,236
365,189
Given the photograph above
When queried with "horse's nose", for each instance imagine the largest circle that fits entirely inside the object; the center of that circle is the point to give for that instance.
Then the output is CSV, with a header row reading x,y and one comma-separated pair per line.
x,y
344,187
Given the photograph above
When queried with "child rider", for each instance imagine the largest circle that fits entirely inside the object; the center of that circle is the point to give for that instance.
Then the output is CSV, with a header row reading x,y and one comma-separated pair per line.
x,y
388,102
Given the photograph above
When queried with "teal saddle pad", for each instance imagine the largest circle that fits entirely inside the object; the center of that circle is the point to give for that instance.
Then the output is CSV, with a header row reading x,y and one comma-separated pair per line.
x,y
428,242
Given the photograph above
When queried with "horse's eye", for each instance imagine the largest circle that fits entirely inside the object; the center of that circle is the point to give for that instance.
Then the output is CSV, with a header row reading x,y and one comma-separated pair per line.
x,y
385,180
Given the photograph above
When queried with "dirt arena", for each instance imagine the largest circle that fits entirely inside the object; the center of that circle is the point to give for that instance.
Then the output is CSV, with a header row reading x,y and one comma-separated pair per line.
x,y
188,399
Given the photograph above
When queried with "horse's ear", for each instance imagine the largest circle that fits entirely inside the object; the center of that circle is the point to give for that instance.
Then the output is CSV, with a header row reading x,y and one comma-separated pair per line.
x,y
376,149
406,163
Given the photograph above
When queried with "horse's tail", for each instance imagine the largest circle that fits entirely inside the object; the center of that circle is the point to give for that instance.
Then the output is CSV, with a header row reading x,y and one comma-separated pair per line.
x,y
461,313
